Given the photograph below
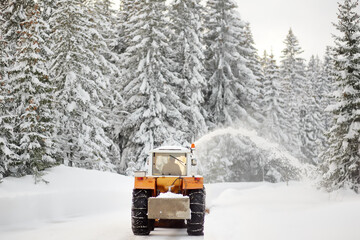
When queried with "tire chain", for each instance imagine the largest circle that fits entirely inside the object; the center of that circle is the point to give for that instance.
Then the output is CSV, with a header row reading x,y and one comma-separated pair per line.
x,y
139,220
195,226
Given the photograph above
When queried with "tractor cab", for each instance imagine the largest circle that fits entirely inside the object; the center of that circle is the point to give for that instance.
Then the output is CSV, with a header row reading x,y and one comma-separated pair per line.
x,y
168,192
171,161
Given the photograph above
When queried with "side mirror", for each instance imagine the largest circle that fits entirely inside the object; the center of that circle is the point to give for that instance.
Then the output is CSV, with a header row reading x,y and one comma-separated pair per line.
x,y
193,162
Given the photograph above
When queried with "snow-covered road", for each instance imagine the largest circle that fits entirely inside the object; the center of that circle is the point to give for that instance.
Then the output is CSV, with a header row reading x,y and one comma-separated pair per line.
x,y
90,205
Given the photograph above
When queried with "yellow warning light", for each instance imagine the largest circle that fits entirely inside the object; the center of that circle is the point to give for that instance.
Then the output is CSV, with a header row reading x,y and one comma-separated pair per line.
x,y
193,146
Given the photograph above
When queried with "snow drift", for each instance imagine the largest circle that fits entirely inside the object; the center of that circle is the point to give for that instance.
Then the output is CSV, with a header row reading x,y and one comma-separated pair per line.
x,y
71,192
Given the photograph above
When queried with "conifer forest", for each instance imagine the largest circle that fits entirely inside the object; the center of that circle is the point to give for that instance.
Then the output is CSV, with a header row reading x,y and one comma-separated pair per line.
x,y
88,85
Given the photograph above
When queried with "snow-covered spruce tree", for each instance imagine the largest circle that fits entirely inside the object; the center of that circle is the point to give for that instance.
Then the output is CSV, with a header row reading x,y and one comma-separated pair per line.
x,y
12,14
341,166
292,70
122,17
3,6
104,16
126,9
327,98
313,124
151,101
3,137
255,85
273,103
7,148
227,94
47,9
78,71
32,98
189,58
327,86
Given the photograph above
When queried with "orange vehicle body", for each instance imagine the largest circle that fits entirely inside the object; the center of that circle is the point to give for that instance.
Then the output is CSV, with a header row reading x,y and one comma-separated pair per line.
x,y
161,184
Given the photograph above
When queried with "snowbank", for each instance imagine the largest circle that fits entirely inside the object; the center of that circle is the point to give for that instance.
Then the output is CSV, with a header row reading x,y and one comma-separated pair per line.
x,y
71,192
256,211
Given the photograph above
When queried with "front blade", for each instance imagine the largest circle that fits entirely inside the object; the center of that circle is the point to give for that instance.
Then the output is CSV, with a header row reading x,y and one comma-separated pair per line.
x,y
169,208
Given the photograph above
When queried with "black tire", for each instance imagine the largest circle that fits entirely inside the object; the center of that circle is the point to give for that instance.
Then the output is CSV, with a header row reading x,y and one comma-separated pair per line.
x,y
151,224
195,226
140,223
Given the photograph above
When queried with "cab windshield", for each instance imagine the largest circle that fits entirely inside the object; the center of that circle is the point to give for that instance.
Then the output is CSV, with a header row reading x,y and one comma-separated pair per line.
x,y
173,164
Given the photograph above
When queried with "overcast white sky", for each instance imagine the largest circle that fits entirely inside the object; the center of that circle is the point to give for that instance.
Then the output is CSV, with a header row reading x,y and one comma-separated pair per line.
x,y
310,20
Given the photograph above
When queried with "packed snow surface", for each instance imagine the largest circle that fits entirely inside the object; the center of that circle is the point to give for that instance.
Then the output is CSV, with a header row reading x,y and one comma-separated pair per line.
x,y
83,204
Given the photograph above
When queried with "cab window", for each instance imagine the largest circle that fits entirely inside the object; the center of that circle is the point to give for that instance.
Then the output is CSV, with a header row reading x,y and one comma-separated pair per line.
x,y
173,164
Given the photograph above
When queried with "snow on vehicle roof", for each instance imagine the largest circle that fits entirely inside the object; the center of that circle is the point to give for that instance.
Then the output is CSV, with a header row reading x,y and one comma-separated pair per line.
x,y
171,149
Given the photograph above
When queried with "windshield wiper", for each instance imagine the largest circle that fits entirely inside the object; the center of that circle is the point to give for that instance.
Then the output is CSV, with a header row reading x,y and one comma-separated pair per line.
x,y
182,163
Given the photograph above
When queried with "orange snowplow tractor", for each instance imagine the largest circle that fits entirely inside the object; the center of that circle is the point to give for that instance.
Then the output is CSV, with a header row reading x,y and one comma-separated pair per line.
x,y
193,183
145,183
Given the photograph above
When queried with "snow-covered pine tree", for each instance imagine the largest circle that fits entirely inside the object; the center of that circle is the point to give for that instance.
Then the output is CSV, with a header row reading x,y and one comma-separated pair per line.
x,y
326,98
7,148
292,70
104,16
78,71
3,6
273,104
151,101
47,9
327,87
341,166
122,17
313,124
3,138
255,85
8,154
12,14
189,58
126,9
32,97
227,74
